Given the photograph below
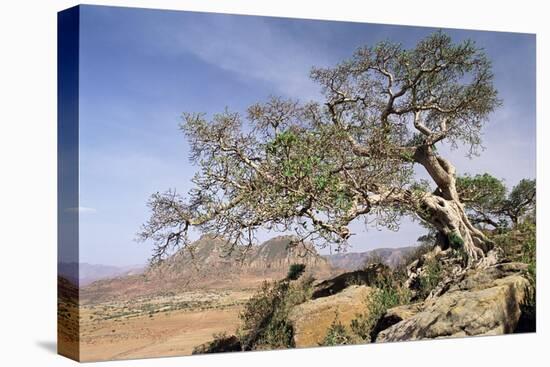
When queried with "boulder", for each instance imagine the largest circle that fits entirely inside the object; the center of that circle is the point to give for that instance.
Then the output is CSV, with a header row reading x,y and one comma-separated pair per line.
x,y
393,316
342,281
484,301
312,319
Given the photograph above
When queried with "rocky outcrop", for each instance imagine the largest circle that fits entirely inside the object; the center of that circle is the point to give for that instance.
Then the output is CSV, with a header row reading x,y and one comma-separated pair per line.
x,y
342,281
393,316
485,301
312,319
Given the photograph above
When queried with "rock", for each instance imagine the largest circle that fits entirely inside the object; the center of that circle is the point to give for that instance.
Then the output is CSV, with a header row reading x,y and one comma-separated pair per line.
x,y
219,345
312,319
393,316
484,301
342,281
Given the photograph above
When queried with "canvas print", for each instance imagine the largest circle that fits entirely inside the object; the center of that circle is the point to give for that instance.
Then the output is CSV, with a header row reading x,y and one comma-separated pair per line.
x,y
233,183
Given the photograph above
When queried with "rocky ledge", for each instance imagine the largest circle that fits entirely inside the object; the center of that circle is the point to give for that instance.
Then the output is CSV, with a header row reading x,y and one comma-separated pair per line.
x,y
488,301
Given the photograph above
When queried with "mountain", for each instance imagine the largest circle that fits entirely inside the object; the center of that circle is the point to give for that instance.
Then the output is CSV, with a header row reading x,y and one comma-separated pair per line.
x,y
277,254
89,273
210,263
212,257
351,261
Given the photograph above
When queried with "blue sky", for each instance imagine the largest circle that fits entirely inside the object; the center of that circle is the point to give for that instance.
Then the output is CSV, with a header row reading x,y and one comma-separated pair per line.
x,y
140,69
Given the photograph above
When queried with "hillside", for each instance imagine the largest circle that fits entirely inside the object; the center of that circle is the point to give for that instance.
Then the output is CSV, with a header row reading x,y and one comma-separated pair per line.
x,y
208,263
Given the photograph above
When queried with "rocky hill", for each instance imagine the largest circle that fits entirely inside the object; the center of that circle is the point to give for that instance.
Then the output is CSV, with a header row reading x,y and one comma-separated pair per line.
x,y
211,258
210,263
351,261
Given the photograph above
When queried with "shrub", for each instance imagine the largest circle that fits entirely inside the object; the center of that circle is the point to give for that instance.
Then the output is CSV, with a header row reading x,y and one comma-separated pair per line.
x,y
529,249
430,277
265,323
455,240
518,243
387,294
337,334
295,271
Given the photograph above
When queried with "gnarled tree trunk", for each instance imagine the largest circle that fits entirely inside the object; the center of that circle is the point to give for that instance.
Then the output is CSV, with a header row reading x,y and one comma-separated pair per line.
x,y
444,210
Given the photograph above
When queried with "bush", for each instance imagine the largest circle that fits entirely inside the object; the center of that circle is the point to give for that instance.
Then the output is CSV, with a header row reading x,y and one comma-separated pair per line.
x,y
430,277
295,271
455,241
387,294
337,334
529,248
518,243
265,315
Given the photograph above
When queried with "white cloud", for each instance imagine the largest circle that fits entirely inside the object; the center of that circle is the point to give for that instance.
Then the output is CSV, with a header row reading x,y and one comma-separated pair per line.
x,y
81,209
268,54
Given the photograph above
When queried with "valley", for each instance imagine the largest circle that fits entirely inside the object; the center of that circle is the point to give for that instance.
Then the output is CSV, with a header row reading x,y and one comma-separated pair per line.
x,y
159,325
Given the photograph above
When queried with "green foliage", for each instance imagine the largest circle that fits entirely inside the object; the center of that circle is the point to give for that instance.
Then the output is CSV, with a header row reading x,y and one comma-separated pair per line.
x,y
295,271
522,200
284,139
337,334
484,197
482,189
387,294
265,323
455,240
430,277
519,244
523,191
529,248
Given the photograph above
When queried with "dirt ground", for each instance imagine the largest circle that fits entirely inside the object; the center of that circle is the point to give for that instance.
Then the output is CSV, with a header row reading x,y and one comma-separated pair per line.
x,y
157,326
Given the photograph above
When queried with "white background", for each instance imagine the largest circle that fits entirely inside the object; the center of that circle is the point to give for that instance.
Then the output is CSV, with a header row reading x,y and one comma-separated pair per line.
x,y
28,181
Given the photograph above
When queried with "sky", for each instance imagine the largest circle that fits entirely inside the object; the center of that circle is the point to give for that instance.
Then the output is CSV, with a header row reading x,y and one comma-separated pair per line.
x,y
141,69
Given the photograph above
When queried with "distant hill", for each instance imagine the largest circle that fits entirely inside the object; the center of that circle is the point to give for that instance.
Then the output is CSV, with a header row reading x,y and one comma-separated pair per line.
x,y
350,261
89,273
209,263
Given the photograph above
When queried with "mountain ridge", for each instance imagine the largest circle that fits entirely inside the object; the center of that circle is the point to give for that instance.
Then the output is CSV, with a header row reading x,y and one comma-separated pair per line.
x,y
207,264
351,261
208,251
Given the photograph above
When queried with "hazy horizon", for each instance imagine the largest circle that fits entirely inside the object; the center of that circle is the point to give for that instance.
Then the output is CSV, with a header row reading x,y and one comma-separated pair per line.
x,y
140,69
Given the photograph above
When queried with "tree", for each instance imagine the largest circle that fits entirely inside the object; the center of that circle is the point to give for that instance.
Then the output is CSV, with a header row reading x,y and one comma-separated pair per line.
x,y
483,196
521,201
486,202
313,168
